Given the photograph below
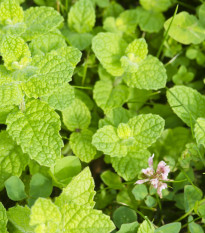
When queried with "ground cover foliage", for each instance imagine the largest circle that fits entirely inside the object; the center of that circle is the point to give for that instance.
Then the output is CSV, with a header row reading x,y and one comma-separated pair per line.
x,y
102,116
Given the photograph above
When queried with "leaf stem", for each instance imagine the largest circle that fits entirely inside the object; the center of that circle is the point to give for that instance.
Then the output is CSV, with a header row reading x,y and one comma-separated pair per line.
x,y
166,33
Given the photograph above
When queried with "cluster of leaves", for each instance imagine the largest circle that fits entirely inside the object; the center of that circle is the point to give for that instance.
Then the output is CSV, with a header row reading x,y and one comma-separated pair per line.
x,y
98,86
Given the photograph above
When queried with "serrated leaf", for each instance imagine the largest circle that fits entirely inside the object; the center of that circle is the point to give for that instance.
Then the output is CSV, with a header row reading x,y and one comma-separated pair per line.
x,y
15,52
52,72
80,143
185,29
187,103
108,97
61,98
199,131
45,215
150,21
76,116
135,53
3,219
10,12
146,227
40,20
130,166
84,219
79,191
156,5
36,130
12,159
81,17
109,48
151,75
139,133
46,43
19,216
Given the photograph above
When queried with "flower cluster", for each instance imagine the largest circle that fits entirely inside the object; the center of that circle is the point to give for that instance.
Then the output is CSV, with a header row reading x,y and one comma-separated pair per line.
x,y
156,178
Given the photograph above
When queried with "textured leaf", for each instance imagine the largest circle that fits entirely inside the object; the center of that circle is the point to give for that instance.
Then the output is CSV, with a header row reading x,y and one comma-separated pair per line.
x,y
3,219
40,20
46,43
202,14
80,191
108,97
84,219
156,5
187,103
199,131
146,227
15,52
45,215
76,116
149,21
81,17
109,48
151,75
52,72
19,216
10,12
191,195
80,143
186,29
136,52
12,159
139,133
130,166
61,98
36,130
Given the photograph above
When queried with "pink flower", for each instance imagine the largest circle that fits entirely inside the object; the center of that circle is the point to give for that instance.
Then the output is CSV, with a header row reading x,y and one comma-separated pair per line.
x,y
156,178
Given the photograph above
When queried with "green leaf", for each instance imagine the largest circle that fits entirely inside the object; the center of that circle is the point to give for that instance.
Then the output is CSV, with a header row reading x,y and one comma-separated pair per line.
x,y
40,186
79,191
149,21
61,98
108,97
111,179
40,20
66,168
146,227
202,14
80,143
10,12
123,215
129,228
187,103
36,130
140,192
135,53
47,43
185,29
194,227
76,116
150,201
81,17
52,72
199,131
140,132
12,159
156,5
130,166
15,52
171,228
191,195
150,75
78,218
19,216
3,219
15,189
109,48
45,215
183,76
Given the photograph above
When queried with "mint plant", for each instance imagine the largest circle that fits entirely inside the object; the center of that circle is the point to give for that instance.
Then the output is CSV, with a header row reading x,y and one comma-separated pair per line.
x,y
89,91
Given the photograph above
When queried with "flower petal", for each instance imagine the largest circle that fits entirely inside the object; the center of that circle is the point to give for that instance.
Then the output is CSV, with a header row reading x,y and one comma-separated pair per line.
x,y
141,181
